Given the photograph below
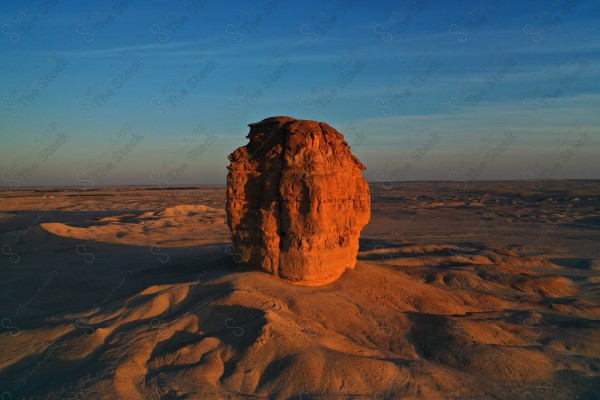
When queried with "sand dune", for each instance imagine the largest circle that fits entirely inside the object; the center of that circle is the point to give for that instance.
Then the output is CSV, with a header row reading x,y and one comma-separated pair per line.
x,y
148,303
184,225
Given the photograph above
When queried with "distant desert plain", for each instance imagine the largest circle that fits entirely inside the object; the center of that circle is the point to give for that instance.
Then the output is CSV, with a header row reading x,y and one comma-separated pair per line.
x,y
480,290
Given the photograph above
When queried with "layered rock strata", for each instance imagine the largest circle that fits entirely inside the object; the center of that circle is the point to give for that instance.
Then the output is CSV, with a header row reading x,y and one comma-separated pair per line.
x,y
296,201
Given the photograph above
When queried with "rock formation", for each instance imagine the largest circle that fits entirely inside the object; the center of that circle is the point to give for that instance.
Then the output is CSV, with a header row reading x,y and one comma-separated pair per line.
x,y
296,201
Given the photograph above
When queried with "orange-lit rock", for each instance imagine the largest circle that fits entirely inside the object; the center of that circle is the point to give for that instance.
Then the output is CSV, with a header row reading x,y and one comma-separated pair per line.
x,y
296,200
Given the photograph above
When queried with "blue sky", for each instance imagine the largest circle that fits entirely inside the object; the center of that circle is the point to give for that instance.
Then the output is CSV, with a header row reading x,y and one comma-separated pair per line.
x,y
160,92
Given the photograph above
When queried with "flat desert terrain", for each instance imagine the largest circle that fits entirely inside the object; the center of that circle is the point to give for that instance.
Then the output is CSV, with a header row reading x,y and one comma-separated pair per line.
x,y
489,291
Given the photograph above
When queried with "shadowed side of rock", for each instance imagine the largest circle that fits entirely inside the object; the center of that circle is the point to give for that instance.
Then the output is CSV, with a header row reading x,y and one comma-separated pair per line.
x,y
296,200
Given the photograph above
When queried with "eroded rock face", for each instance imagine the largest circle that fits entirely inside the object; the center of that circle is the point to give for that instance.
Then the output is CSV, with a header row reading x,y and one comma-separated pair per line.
x,y
296,200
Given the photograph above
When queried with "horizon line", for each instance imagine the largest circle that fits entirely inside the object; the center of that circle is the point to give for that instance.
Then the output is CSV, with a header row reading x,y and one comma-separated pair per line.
x,y
198,185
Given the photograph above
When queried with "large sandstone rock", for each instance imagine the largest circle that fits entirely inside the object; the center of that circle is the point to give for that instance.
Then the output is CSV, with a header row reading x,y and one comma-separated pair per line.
x,y
296,200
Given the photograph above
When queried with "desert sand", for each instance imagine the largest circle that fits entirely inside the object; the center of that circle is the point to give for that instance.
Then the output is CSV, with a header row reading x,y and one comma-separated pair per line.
x,y
484,292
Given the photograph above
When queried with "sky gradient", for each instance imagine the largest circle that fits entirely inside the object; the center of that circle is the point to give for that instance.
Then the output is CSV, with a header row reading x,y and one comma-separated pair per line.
x,y
160,92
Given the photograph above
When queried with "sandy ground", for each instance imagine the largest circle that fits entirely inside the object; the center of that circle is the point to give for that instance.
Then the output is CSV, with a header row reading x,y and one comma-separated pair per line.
x,y
486,292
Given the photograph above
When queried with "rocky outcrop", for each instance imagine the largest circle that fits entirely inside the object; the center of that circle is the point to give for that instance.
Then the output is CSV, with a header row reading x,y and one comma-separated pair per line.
x,y
296,200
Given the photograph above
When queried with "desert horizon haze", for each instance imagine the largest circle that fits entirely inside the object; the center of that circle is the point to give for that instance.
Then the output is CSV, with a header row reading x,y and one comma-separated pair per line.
x,y
291,200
